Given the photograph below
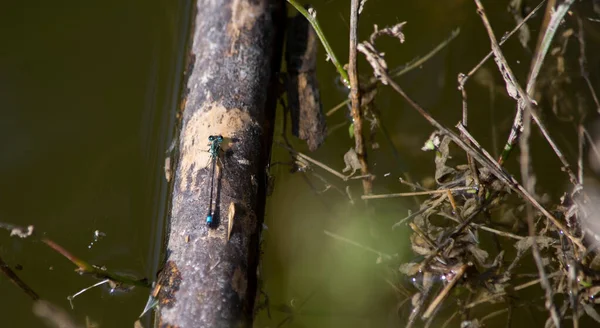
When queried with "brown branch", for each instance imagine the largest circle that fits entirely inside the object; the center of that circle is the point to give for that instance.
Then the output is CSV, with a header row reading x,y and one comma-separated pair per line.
x,y
462,80
521,96
444,293
417,193
524,102
355,99
465,123
212,279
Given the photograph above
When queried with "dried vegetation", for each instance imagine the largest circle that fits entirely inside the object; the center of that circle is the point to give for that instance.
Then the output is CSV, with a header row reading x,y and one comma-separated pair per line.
x,y
478,231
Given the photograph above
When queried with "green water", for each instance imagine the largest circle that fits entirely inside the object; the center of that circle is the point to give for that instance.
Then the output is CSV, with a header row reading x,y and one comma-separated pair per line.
x,y
88,92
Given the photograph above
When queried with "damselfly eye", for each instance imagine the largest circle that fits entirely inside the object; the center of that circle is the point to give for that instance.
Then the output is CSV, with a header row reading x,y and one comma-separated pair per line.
x,y
211,138
220,137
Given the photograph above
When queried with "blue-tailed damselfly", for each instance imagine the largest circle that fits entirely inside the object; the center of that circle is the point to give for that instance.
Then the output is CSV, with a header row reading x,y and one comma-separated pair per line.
x,y
215,147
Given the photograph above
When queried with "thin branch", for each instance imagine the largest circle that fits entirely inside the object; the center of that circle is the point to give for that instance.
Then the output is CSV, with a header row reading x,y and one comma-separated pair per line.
x,y
351,242
493,314
401,70
314,161
434,205
417,193
465,123
355,97
444,293
592,144
462,81
412,185
338,106
516,91
527,177
484,227
498,232
580,142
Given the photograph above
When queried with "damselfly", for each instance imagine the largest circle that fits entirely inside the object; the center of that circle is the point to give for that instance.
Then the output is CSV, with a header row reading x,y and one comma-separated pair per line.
x,y
215,147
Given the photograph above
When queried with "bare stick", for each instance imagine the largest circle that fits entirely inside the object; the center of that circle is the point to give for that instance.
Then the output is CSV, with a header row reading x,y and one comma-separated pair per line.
x,y
410,216
527,177
524,102
493,314
462,81
434,205
412,185
498,232
359,144
399,71
580,141
465,123
529,182
442,295
338,106
416,193
351,242
447,322
516,91
476,144
314,161
484,227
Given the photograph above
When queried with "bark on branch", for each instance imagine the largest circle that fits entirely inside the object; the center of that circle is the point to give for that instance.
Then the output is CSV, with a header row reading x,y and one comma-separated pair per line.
x,y
209,278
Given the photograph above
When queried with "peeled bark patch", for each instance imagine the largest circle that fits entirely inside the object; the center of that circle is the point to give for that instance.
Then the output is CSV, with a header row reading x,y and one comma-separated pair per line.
x,y
214,118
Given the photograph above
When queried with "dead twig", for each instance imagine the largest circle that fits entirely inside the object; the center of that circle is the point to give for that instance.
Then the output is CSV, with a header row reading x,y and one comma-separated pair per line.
x,y
444,293
399,71
355,96
516,91
351,242
580,142
432,207
417,193
522,120
462,79
314,161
